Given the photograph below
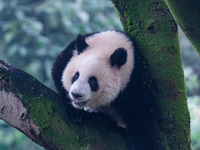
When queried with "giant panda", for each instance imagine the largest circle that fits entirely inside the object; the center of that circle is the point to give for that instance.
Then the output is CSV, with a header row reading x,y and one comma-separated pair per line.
x,y
103,72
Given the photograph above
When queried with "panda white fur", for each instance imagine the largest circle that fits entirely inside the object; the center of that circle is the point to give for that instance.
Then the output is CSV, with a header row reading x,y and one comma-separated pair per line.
x,y
102,72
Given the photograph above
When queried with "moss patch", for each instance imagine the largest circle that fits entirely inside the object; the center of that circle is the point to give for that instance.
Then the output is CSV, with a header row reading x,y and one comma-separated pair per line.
x,y
154,31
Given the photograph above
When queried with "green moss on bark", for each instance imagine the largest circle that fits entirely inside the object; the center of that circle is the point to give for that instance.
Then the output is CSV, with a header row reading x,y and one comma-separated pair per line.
x,y
155,33
68,135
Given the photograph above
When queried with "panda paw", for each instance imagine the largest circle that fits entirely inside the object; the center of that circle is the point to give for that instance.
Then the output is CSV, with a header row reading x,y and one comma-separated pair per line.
x,y
72,114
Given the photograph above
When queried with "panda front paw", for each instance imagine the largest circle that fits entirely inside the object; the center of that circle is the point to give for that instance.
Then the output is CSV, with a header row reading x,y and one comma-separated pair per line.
x,y
72,114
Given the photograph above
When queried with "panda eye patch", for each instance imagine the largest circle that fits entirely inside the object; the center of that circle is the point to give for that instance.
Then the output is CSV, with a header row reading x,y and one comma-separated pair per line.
x,y
75,77
93,83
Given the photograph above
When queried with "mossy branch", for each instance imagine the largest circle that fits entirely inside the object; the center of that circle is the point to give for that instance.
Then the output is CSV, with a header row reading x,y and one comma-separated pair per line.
x,y
155,33
34,109
187,15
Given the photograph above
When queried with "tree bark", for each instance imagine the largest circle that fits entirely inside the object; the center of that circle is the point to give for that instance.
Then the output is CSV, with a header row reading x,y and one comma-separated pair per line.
x,y
187,15
34,109
155,33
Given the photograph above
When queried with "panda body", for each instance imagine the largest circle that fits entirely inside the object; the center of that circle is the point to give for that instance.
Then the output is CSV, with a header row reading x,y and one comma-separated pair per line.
x,y
102,72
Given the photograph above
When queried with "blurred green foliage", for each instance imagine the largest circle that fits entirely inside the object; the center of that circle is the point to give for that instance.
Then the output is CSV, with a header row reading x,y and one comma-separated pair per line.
x,y
194,105
33,32
12,139
191,65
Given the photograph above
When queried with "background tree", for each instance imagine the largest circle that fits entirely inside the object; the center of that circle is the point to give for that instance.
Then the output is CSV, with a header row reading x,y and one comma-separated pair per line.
x,y
37,25
187,14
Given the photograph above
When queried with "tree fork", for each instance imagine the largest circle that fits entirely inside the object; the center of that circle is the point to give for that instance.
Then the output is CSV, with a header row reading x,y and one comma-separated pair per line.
x,y
155,33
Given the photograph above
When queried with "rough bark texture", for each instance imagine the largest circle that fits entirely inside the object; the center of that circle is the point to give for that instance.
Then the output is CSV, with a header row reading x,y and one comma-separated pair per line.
x,y
155,33
187,15
34,109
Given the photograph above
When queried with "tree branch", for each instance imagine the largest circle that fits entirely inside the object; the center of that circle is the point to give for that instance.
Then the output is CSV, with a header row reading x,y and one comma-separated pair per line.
x,y
34,109
187,15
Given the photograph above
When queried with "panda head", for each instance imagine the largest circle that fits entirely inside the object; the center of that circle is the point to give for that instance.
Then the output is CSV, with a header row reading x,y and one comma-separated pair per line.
x,y
99,70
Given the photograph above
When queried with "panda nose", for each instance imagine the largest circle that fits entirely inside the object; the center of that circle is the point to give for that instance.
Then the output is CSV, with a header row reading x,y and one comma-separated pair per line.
x,y
77,95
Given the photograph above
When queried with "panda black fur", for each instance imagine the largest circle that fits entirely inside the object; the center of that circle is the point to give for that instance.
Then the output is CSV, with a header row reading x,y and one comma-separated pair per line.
x,y
102,72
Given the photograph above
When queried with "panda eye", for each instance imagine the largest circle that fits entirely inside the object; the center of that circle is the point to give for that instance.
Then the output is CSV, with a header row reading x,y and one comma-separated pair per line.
x,y
92,80
75,77
93,83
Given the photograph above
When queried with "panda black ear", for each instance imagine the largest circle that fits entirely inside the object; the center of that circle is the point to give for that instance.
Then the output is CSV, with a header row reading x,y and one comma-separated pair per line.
x,y
81,44
118,58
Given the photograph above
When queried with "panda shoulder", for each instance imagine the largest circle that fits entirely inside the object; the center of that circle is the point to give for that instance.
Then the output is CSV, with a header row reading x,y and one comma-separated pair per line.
x,y
60,63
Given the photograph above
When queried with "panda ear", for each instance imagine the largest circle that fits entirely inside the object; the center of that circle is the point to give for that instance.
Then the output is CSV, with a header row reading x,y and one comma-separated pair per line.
x,y
118,58
81,44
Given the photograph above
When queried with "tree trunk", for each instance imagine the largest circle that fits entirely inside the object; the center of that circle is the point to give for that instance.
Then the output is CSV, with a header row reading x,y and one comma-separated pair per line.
x,y
155,33
187,15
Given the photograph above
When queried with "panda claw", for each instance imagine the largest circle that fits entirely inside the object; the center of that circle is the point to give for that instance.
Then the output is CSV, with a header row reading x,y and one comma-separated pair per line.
x,y
74,118
72,114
